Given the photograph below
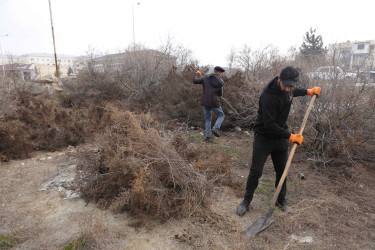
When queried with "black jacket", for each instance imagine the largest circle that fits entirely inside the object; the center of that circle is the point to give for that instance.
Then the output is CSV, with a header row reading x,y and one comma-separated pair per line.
x,y
212,89
273,111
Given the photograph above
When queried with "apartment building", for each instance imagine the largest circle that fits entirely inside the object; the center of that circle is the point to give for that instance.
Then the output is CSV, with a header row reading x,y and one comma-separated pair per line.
x,y
49,59
355,56
45,67
363,55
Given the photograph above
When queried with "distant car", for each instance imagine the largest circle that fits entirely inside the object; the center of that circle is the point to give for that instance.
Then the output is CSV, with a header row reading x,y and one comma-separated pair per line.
x,y
372,76
331,72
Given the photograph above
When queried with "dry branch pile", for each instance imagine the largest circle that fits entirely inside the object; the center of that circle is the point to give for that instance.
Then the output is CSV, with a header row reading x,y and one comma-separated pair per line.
x,y
134,169
37,123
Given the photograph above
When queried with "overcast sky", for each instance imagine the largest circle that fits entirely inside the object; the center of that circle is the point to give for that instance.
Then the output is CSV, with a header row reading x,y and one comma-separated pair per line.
x,y
209,28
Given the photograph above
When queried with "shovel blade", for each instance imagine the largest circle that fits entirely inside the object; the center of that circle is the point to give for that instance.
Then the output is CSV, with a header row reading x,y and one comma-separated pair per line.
x,y
259,225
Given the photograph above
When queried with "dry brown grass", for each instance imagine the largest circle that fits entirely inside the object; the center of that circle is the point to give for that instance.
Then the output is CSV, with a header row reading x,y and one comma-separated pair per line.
x,y
95,232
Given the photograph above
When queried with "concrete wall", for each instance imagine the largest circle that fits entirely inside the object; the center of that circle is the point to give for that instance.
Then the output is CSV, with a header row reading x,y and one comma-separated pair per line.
x,y
47,72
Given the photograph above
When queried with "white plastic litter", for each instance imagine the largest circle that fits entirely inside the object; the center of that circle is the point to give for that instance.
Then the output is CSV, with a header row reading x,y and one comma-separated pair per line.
x,y
302,239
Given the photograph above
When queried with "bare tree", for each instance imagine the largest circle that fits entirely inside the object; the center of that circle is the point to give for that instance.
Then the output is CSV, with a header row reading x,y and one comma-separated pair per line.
x,y
231,58
258,65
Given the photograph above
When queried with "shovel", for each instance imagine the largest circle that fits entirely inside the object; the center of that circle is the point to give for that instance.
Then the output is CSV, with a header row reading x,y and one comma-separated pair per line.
x,y
231,107
262,223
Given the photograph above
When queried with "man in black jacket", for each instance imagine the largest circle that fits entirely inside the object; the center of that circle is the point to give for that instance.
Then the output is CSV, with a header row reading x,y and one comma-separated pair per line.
x,y
271,132
212,89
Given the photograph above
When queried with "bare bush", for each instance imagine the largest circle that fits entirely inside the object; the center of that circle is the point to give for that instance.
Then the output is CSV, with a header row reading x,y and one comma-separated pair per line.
x,y
241,101
96,81
179,99
346,122
341,127
132,73
10,84
7,100
156,81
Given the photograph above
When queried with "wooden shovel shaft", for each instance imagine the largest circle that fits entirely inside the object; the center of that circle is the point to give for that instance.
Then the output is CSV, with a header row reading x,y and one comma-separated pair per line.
x,y
230,106
291,154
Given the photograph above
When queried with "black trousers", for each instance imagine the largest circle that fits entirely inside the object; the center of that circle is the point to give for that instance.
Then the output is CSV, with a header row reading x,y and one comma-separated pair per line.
x,y
262,147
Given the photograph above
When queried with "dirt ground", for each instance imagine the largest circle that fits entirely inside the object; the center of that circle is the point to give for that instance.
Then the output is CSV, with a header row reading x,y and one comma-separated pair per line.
x,y
329,211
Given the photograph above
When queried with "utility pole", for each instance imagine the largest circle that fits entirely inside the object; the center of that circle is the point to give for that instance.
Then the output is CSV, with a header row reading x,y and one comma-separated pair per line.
x,y
133,26
53,37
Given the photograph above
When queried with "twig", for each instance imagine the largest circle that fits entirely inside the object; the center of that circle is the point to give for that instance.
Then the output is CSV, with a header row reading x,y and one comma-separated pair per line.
x,y
232,107
288,244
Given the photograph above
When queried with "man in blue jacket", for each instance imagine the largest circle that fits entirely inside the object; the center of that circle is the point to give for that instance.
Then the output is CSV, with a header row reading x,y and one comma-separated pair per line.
x,y
212,89
271,132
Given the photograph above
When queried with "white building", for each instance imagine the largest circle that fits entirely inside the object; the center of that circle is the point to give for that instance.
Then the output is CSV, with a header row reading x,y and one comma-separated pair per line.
x,y
358,55
49,59
363,55
44,64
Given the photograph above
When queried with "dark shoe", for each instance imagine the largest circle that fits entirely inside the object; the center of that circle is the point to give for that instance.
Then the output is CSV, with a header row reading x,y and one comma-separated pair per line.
x,y
243,207
215,131
283,206
207,139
